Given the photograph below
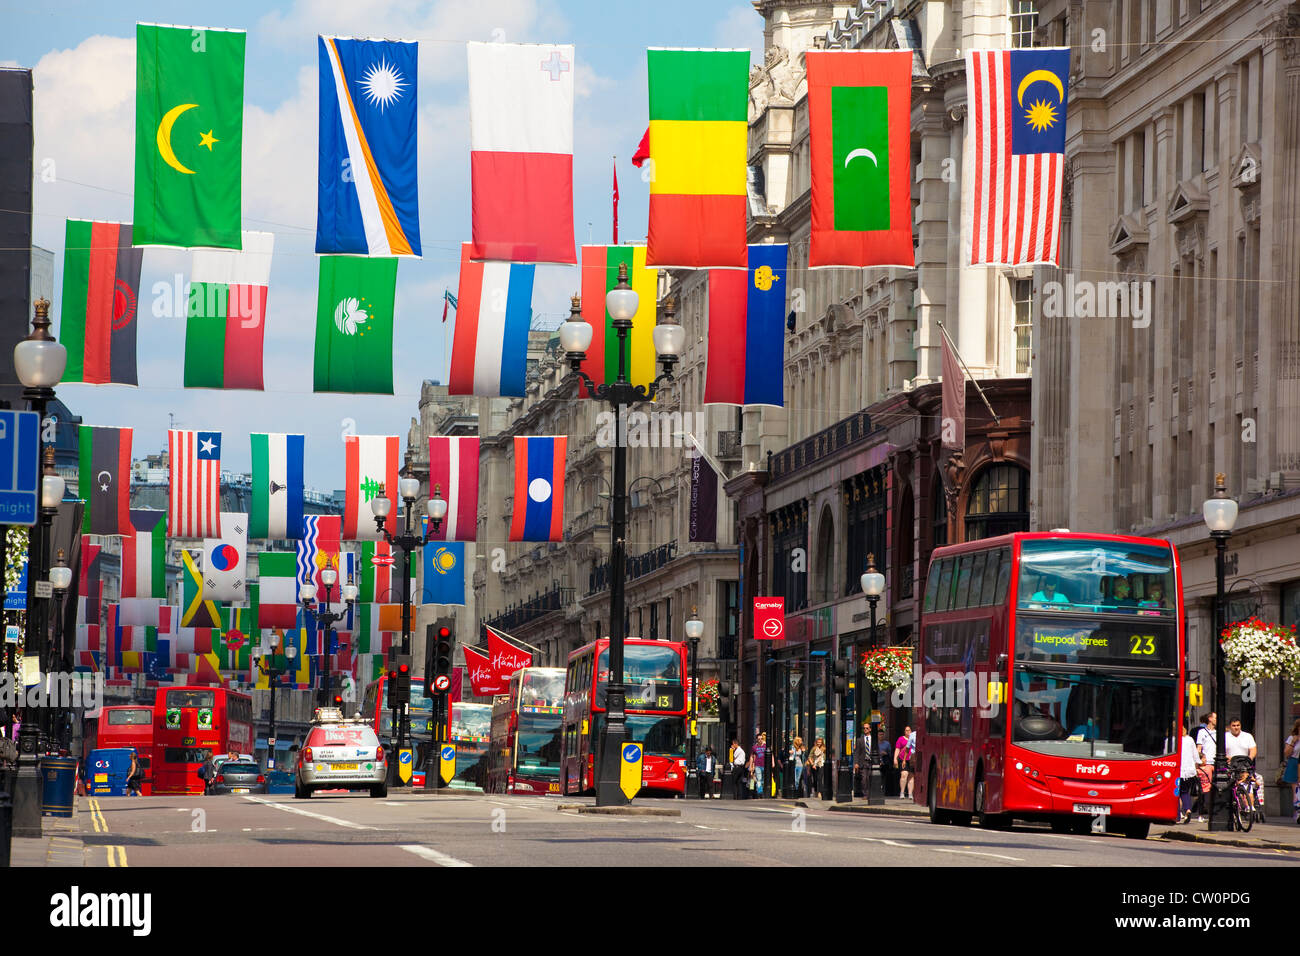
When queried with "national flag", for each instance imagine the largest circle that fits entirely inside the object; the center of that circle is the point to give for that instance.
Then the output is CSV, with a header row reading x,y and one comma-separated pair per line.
x,y
101,293
642,149
506,656
90,585
453,473
278,580
368,637
196,611
614,238
318,546
370,467
194,492
859,121
189,131
144,556
225,563
226,316
104,479
483,679
1015,155
354,325
600,274
521,151
489,347
952,430
381,574
444,574
390,617
367,202
448,299
278,485
746,340
699,129
539,489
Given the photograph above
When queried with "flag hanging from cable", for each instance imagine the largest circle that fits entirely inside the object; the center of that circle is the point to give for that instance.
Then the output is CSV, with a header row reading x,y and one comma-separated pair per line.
x,y
615,240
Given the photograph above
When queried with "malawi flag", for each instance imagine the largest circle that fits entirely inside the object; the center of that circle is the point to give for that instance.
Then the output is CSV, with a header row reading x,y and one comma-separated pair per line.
x,y
104,479
275,510
746,362
859,115
354,324
539,489
101,290
227,315
699,102
189,136
599,275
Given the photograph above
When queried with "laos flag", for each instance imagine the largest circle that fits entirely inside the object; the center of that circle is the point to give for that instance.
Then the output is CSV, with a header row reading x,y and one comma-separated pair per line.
x,y
539,489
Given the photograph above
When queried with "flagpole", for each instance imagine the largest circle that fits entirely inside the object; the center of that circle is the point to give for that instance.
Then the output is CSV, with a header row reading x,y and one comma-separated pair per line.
x,y
511,639
953,345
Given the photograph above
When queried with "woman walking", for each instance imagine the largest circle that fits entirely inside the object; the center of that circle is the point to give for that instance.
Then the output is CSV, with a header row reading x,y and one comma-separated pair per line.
x,y
813,769
797,754
1291,769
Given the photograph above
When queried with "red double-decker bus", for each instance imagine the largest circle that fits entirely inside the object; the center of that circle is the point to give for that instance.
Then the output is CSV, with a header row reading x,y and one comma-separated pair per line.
x,y
655,704
189,723
527,723
1050,681
129,725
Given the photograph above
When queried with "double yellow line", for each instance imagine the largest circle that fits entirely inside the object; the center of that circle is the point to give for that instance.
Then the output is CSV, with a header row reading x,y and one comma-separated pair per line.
x,y
116,852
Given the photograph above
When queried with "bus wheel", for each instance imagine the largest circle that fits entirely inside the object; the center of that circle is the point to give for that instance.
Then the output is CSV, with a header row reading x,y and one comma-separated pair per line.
x,y
988,821
937,814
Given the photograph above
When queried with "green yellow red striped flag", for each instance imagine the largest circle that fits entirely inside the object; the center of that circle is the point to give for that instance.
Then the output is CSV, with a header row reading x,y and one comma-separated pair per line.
x,y
599,275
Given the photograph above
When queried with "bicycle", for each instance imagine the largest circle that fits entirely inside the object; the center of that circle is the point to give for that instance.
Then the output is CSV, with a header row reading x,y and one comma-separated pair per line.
x,y
1242,801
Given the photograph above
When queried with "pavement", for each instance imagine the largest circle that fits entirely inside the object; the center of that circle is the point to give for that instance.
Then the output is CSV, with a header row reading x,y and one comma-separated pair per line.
x,y
60,842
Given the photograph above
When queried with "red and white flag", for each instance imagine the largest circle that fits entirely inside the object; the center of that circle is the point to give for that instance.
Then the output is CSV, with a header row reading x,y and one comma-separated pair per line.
x,y
453,472
194,493
521,151
506,657
483,679
370,467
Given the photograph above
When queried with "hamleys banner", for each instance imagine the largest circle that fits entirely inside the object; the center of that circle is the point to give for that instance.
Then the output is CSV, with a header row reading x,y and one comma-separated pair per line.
x,y
506,658
769,618
483,680
490,673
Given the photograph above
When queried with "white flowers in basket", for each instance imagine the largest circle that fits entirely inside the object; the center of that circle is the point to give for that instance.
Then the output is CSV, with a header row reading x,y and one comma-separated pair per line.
x,y
1255,650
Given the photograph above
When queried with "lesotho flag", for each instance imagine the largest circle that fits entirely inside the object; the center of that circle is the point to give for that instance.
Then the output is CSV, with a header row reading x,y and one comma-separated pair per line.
x,y
539,489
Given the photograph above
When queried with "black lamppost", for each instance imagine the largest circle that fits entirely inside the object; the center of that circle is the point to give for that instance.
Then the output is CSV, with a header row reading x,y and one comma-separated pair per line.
x,y
694,631
407,541
1220,514
60,578
873,585
325,617
274,671
621,303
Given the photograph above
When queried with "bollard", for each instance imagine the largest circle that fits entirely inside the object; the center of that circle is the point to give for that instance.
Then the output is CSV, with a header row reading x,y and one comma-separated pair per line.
x,y
6,827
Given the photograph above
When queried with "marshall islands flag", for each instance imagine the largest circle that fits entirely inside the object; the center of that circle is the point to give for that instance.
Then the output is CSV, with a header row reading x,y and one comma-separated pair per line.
x,y
367,201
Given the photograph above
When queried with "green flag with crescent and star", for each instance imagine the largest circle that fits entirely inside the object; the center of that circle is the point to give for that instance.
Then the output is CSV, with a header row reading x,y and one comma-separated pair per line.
x,y
189,135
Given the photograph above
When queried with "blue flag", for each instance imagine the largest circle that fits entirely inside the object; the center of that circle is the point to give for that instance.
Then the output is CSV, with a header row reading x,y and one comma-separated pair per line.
x,y
444,573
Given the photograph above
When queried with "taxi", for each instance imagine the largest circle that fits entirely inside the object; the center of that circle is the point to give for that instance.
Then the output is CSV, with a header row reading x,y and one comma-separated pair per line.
x,y
340,754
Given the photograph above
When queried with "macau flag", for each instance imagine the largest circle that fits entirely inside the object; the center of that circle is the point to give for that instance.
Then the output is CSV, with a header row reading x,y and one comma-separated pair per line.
x,y
354,324
189,136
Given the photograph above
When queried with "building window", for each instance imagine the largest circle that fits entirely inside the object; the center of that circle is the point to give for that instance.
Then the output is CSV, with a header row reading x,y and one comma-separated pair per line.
x,y
864,508
938,514
998,503
1024,19
790,533
1022,291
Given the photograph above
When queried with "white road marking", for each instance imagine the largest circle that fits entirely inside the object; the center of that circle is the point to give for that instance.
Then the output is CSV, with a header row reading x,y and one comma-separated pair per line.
x,y
906,846
429,853
315,816
997,856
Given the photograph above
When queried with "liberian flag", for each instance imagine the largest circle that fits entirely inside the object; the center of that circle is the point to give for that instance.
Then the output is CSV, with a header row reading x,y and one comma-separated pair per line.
x,y
227,314
859,116
101,290
105,479
278,487
1015,155
194,492
371,463
494,310
746,340
539,489
367,202
521,151
318,546
453,473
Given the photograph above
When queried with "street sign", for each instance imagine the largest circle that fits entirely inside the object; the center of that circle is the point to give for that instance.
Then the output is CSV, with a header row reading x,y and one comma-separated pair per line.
x,y
404,765
44,589
448,762
629,777
16,600
769,618
11,634
441,682
20,467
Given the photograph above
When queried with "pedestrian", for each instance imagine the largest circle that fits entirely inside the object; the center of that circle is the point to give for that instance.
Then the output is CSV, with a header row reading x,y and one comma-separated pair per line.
x,y
1291,768
704,768
208,771
904,749
888,783
1206,747
862,757
797,756
759,762
1240,743
1189,782
814,768
738,775
133,776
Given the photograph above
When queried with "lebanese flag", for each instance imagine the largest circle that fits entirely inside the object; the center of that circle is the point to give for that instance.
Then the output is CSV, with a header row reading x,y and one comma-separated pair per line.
x,y
371,467
521,151
453,472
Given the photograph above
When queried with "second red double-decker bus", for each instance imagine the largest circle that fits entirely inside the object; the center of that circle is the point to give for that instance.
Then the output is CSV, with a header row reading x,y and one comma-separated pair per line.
x,y
655,703
1050,682
190,723
128,725
524,754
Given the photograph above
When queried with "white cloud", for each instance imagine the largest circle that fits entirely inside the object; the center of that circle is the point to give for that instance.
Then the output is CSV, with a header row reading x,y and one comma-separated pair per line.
x,y
741,28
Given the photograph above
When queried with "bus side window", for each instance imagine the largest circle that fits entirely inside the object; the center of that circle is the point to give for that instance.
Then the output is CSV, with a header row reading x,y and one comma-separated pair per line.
x,y
944,599
960,593
1004,577
977,580
992,569
932,586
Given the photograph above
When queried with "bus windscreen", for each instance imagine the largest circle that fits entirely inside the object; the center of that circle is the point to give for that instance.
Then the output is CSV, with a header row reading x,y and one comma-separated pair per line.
x,y
1097,577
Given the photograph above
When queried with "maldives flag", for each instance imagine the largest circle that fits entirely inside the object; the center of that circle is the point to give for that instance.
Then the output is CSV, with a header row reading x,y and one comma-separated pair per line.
x,y
746,339
101,290
539,489
453,473
105,480
371,463
494,310
227,314
859,114
521,151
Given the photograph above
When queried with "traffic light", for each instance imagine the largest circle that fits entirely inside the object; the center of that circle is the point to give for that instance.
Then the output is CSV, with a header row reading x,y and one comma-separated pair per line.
x,y
726,702
840,672
399,678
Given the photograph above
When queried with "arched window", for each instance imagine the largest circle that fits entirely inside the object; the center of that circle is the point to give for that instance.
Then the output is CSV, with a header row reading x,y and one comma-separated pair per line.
x,y
998,503
825,558
903,548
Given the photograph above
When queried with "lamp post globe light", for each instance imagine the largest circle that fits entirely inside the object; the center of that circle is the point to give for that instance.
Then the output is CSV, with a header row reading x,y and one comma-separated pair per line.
x,y
694,631
873,586
622,303
273,673
60,578
1220,514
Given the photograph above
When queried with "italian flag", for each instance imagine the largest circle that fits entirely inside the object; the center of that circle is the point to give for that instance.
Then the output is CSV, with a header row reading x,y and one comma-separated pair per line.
x,y
227,315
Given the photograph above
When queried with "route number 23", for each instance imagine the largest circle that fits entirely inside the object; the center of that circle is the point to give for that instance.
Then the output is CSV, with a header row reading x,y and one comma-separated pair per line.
x,y
1142,644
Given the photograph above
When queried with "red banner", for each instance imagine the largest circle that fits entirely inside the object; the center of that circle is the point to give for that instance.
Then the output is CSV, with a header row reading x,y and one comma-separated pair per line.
x,y
769,618
483,680
506,658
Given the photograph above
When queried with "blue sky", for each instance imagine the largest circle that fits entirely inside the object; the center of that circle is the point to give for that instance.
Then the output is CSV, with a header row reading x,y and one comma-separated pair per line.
x,y
83,55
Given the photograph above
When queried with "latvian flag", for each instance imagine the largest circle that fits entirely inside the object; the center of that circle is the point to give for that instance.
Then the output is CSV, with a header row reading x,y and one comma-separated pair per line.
x,y
370,467
490,344
1015,155
194,494
539,489
278,487
227,314
101,290
521,151
453,473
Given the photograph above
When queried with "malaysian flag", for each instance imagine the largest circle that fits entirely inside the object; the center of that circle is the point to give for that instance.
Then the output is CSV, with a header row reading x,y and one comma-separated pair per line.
x,y
1015,159
194,497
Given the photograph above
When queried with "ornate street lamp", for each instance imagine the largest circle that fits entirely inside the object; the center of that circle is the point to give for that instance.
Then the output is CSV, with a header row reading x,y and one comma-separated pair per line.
x,y
622,303
694,631
1220,514
273,673
873,586
325,617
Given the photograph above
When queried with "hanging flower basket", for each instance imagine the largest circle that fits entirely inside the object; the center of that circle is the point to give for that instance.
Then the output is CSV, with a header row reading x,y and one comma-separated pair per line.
x,y
885,668
709,697
1254,650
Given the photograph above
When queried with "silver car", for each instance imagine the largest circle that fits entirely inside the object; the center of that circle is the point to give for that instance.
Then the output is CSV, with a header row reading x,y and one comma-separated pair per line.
x,y
238,776
341,755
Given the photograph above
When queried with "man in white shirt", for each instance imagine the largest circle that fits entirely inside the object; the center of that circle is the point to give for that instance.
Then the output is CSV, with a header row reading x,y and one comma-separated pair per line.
x,y
737,770
1238,743
1189,784
1206,747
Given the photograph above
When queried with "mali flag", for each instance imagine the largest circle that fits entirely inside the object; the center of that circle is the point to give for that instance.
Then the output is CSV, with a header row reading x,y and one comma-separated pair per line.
x,y
599,275
859,109
189,136
699,101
